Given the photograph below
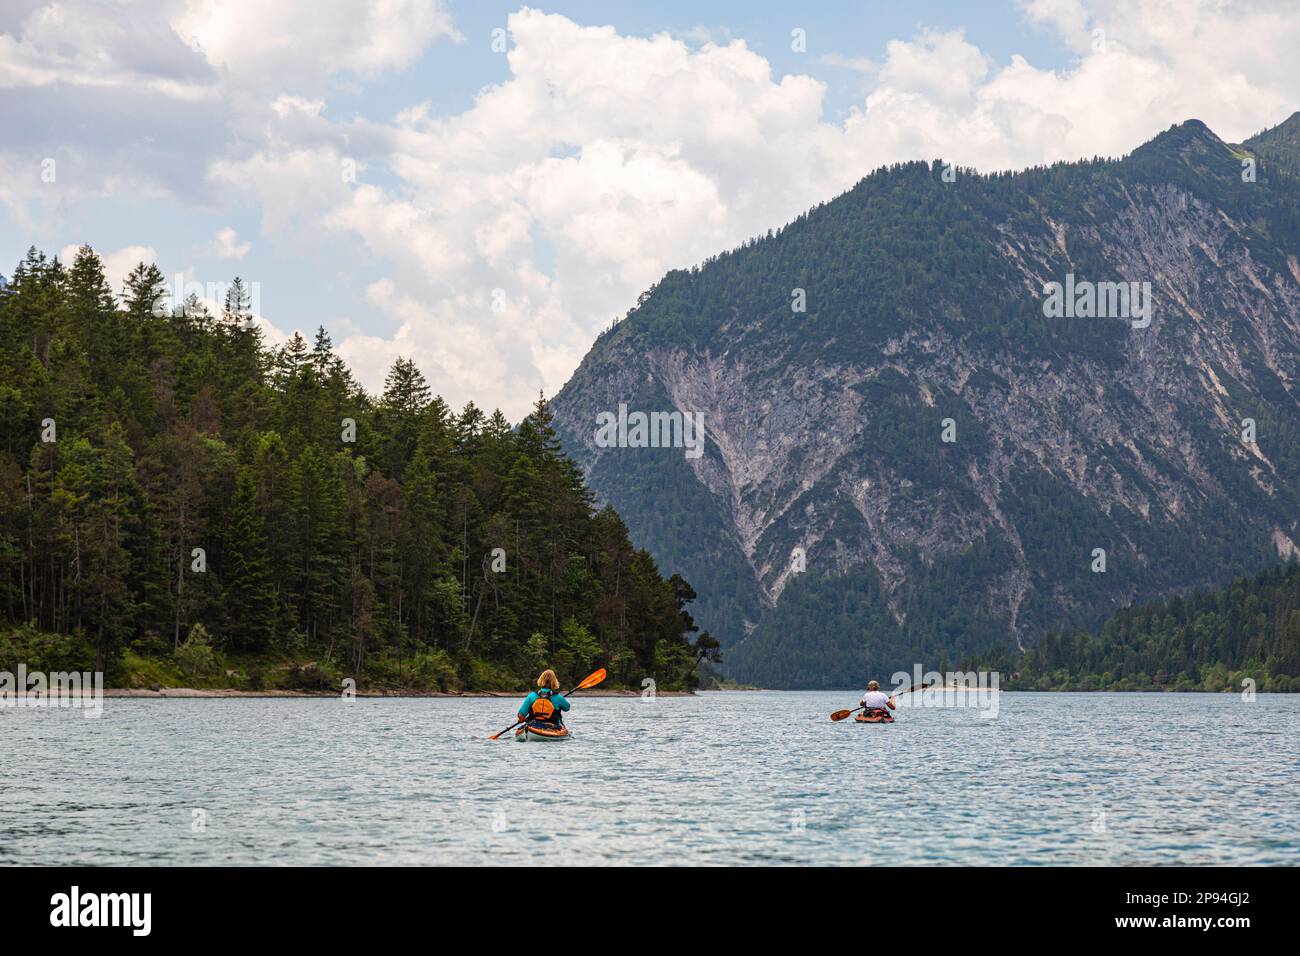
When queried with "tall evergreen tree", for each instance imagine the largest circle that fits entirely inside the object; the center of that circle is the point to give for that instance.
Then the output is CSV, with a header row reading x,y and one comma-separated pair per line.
x,y
250,594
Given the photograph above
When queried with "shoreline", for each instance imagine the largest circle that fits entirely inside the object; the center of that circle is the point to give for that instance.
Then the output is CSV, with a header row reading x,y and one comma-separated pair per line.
x,y
145,693
199,692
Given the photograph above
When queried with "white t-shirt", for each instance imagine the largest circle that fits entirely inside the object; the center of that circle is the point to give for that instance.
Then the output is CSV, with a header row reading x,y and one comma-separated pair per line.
x,y
873,699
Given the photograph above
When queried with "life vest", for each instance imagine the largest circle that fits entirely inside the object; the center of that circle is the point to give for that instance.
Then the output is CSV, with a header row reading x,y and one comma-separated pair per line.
x,y
543,709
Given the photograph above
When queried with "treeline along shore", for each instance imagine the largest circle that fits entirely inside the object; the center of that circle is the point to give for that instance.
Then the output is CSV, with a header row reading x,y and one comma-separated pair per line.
x,y
207,692
183,506
1244,637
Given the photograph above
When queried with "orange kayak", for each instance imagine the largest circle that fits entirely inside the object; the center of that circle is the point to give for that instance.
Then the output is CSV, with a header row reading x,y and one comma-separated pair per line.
x,y
540,732
874,717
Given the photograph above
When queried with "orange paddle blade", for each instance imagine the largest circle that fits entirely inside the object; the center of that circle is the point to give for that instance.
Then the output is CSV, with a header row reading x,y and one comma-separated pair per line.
x,y
592,680
840,714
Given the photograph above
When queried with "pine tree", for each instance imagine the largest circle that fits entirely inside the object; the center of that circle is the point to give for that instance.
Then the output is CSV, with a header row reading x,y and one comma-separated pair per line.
x,y
250,594
107,568
406,396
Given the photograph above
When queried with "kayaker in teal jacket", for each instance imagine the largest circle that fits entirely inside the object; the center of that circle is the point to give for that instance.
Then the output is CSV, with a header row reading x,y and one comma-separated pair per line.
x,y
546,704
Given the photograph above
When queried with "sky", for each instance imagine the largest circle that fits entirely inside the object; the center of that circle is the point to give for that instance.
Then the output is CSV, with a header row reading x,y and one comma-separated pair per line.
x,y
484,187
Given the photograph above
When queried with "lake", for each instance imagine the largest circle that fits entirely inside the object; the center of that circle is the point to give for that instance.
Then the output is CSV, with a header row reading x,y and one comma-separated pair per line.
x,y
722,778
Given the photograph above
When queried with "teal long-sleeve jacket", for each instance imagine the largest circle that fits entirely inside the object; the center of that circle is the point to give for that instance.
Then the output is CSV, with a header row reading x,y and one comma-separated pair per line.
x,y
556,698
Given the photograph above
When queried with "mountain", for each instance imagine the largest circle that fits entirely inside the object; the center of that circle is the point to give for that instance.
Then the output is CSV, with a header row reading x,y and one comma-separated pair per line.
x,y
1280,145
1081,418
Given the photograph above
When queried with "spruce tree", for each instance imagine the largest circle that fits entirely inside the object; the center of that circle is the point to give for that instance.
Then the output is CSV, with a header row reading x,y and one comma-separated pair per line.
x,y
250,594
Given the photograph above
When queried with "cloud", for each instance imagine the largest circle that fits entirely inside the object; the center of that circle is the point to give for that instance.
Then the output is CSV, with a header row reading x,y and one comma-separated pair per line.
x,y
150,94
520,227
500,239
701,34
1141,67
1068,18
93,44
300,44
529,222
192,48
226,245
858,64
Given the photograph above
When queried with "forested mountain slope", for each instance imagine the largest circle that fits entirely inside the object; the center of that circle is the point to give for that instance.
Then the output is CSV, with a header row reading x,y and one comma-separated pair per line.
x,y
932,458
1242,637
178,500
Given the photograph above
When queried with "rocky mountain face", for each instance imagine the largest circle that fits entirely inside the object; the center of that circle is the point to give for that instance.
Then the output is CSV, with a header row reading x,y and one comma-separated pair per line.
x,y
947,412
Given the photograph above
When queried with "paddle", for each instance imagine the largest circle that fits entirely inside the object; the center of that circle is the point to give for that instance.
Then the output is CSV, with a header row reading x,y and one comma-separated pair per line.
x,y
590,681
841,714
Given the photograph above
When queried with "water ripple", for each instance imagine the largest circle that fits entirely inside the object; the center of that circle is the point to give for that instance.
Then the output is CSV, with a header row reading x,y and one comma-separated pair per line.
x,y
722,779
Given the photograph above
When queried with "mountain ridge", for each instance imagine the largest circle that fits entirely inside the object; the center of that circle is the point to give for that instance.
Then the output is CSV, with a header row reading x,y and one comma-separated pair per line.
x,y
924,290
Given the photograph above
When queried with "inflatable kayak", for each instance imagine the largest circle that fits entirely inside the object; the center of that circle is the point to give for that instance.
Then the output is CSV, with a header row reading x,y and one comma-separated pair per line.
x,y
539,732
874,717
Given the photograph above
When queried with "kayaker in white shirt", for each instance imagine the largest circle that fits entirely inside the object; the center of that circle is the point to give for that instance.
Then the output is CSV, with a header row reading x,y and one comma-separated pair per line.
x,y
876,699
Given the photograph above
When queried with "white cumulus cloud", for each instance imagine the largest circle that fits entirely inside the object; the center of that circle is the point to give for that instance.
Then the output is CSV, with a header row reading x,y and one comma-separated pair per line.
x,y
500,239
226,245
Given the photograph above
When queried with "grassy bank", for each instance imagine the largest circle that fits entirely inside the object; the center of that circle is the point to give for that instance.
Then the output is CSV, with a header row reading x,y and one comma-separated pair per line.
x,y
204,668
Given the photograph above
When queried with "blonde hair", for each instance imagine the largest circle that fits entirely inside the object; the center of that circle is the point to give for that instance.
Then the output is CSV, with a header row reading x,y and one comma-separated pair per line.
x,y
873,685
548,679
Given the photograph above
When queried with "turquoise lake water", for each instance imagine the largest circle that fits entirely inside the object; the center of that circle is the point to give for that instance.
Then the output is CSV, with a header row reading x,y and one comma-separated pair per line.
x,y
722,778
